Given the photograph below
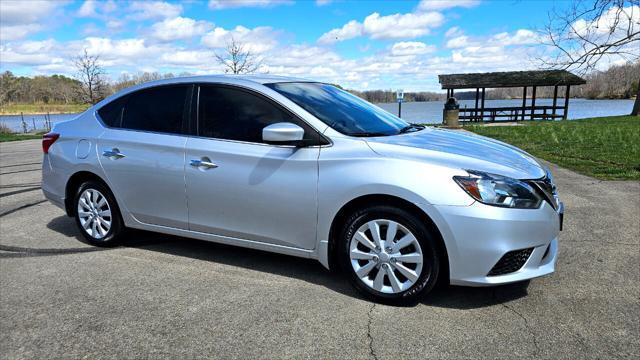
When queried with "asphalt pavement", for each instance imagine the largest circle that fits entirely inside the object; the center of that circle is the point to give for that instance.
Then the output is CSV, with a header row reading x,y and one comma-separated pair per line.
x,y
161,296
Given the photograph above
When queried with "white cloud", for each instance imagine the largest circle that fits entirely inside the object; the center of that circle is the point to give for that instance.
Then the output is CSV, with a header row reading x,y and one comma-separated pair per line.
x,y
113,53
188,58
396,26
458,42
521,37
401,25
88,9
452,32
115,25
350,30
179,28
15,32
426,5
26,12
19,19
304,55
323,2
229,4
411,48
28,53
95,8
257,40
144,10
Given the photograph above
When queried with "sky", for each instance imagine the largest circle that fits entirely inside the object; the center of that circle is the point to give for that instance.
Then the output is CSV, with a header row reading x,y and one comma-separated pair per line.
x,y
358,44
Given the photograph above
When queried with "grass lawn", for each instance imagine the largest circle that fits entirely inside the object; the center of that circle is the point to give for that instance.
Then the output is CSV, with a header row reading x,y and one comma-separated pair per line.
x,y
606,148
42,108
4,137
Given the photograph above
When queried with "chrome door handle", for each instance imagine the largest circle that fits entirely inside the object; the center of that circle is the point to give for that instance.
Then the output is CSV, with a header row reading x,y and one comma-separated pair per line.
x,y
205,163
113,153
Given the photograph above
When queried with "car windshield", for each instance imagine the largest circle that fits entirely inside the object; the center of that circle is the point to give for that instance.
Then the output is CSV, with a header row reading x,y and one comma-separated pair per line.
x,y
343,111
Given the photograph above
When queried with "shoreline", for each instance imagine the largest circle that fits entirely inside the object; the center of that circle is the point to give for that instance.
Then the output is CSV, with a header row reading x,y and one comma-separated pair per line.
x,y
41,109
3,113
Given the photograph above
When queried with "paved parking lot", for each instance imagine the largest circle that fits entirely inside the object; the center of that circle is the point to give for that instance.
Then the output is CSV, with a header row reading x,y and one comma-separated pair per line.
x,y
161,296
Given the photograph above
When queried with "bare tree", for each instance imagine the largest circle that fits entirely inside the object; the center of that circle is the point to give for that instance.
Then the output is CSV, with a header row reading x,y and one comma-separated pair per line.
x,y
238,60
589,31
91,74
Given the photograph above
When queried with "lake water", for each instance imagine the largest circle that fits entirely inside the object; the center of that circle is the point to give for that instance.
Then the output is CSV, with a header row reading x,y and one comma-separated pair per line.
x,y
418,112
15,121
430,112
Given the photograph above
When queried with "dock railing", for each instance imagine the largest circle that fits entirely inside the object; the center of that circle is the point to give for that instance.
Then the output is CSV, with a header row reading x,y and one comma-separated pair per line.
x,y
515,113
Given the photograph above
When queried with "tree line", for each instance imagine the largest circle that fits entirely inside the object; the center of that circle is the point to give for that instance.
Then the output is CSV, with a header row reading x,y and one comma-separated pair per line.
x,y
617,82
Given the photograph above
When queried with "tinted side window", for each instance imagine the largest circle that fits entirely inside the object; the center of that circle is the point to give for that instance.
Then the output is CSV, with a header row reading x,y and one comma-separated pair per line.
x,y
158,109
111,114
233,114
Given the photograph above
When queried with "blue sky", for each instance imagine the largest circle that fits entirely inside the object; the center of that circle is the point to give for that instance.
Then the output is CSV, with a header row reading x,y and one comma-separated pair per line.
x,y
358,44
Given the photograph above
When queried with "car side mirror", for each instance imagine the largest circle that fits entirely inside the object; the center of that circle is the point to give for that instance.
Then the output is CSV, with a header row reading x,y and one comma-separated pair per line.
x,y
283,133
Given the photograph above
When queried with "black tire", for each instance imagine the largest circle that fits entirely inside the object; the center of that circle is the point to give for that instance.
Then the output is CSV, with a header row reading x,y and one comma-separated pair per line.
x,y
113,236
427,240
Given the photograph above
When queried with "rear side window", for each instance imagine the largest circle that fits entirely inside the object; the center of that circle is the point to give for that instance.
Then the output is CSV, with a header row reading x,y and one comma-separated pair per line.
x,y
234,114
159,109
111,114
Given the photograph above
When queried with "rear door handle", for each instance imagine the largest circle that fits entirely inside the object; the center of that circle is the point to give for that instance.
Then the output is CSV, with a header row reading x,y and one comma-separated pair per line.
x,y
204,163
113,154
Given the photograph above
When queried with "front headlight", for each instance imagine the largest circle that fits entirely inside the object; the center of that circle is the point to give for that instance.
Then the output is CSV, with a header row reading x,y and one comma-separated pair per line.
x,y
499,190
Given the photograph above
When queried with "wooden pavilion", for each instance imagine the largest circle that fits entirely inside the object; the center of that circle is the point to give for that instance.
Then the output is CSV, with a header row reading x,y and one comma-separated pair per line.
x,y
524,79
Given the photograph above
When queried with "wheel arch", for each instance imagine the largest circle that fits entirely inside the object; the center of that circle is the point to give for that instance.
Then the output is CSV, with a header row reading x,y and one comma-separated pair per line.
x,y
384,199
73,183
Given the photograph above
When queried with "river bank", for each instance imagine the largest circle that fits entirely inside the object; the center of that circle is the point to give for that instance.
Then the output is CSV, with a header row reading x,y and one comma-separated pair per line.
x,y
41,109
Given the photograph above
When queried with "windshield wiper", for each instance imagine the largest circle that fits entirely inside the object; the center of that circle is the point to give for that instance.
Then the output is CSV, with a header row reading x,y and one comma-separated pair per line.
x,y
410,128
368,134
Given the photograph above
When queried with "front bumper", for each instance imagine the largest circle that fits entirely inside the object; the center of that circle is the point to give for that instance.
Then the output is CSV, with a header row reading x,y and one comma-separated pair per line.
x,y
478,236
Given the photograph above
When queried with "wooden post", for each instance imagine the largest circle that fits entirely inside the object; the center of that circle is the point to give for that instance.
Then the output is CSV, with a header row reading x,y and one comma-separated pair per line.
x,y
524,101
451,93
475,110
533,102
566,103
482,104
555,101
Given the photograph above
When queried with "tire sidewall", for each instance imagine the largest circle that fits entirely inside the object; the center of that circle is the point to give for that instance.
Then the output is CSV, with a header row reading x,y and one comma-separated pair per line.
x,y
113,235
431,263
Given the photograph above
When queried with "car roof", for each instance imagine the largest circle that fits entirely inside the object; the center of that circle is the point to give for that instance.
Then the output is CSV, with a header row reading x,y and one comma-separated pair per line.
x,y
222,78
256,78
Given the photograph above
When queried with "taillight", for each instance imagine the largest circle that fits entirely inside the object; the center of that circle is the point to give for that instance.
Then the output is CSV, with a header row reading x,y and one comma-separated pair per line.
x,y
47,140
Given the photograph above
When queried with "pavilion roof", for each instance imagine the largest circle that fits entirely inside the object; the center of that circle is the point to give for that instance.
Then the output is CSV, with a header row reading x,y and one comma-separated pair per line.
x,y
509,79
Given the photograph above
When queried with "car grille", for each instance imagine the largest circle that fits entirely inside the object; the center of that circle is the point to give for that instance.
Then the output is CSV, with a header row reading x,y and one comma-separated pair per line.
x,y
511,262
547,189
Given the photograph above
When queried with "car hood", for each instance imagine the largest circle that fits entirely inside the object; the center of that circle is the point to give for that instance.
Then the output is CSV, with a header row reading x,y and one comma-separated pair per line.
x,y
460,149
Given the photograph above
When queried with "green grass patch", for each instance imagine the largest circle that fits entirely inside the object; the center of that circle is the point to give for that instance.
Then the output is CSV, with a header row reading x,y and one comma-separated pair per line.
x,y
4,137
42,108
606,148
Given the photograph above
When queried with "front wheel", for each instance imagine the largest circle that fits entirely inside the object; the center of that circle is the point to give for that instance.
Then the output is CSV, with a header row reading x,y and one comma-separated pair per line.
x,y
389,255
97,214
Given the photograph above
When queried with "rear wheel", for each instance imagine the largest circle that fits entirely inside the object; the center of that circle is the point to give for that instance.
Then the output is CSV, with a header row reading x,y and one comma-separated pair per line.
x,y
97,214
389,255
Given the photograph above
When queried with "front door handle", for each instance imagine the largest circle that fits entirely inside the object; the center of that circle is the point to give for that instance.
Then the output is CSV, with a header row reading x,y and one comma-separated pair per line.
x,y
113,154
203,163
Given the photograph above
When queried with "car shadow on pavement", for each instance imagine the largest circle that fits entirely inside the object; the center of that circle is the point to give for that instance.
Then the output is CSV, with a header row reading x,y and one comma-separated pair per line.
x,y
464,297
308,270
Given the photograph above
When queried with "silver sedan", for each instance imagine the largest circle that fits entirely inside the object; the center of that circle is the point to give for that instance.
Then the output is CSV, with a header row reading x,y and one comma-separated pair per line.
x,y
306,169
